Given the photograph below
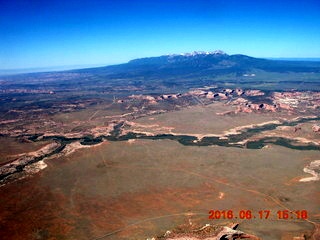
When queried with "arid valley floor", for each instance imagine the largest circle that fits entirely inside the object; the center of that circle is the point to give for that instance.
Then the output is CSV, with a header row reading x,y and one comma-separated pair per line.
x,y
140,187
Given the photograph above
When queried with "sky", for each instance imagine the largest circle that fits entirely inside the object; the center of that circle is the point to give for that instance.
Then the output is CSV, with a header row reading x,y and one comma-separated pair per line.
x,y
44,33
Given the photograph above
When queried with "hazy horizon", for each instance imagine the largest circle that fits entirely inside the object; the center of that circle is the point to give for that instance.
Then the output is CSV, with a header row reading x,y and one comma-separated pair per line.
x,y
12,71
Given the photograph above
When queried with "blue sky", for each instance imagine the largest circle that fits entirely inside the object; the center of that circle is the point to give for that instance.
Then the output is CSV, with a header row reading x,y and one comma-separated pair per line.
x,y
43,33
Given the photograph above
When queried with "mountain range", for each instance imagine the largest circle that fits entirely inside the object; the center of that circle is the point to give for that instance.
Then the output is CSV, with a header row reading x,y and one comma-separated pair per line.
x,y
179,72
201,64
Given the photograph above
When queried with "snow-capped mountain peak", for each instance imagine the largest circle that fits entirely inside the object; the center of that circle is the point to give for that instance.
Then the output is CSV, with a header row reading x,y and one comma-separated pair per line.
x,y
195,53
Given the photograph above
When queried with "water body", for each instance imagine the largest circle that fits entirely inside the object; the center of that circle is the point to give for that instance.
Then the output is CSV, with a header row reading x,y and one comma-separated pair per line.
x,y
230,141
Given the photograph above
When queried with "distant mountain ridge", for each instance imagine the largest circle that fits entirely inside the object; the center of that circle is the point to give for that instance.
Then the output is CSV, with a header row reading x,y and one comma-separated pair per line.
x,y
171,58
200,64
180,72
188,64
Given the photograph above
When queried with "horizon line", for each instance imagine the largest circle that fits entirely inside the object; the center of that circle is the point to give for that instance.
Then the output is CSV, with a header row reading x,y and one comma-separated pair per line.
x,y
21,70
